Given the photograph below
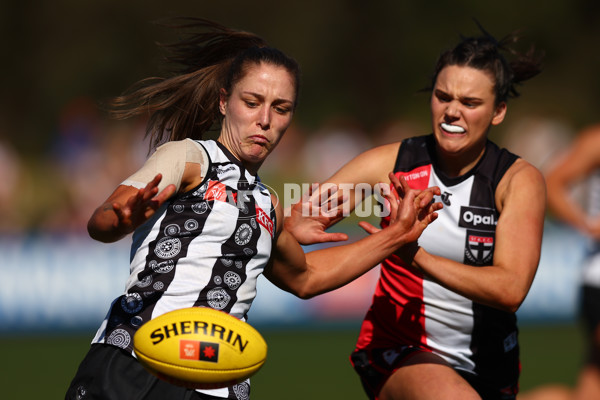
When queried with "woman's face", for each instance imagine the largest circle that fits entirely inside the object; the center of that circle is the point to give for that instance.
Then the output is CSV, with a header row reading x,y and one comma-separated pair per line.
x,y
463,109
257,112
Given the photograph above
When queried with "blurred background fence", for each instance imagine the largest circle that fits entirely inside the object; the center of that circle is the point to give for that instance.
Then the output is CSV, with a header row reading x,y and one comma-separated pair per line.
x,y
66,283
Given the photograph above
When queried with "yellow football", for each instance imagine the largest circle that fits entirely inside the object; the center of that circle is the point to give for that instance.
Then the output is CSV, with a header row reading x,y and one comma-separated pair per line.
x,y
200,348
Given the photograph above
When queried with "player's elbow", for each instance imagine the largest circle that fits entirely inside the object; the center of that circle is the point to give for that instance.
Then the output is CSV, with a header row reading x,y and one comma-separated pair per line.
x,y
511,306
296,285
511,300
102,235
505,304
96,234
300,293
305,293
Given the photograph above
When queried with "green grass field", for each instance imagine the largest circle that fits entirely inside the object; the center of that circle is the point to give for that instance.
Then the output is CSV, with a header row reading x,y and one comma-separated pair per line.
x,y
302,364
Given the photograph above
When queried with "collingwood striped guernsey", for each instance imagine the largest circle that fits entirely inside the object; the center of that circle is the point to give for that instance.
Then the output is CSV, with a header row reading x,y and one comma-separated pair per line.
x,y
205,247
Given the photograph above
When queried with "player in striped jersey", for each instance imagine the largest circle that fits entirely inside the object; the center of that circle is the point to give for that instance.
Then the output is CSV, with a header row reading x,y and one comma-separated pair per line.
x,y
442,322
204,226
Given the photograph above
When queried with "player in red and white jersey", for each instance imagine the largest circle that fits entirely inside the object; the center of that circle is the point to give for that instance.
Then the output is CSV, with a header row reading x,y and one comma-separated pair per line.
x,y
442,322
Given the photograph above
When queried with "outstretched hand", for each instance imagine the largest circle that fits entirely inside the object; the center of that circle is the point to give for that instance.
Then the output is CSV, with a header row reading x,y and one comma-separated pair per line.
x,y
410,210
317,210
139,207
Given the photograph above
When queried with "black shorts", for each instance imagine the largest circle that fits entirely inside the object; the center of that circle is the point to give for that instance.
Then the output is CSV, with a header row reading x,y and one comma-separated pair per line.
x,y
590,310
590,306
375,366
110,373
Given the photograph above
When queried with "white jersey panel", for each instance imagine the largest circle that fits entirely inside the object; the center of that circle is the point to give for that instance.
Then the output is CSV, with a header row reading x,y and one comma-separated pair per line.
x,y
445,309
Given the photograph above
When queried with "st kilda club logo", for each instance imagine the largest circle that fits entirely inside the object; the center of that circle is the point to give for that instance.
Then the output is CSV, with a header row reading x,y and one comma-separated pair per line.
x,y
479,247
481,227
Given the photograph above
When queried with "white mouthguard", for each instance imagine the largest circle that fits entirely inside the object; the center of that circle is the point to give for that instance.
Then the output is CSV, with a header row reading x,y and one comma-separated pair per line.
x,y
452,128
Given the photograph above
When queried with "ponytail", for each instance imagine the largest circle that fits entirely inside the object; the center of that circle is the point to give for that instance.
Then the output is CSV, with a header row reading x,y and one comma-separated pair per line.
x,y
186,105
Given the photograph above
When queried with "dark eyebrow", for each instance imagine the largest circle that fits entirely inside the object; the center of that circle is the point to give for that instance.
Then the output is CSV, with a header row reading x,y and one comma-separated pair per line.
x,y
261,97
440,92
471,99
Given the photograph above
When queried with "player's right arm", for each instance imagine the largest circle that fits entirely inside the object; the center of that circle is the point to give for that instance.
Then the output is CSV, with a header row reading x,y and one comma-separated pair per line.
x,y
126,209
175,166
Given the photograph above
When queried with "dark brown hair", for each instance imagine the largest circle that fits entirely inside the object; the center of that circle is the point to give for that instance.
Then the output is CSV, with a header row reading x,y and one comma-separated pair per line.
x,y
186,105
486,53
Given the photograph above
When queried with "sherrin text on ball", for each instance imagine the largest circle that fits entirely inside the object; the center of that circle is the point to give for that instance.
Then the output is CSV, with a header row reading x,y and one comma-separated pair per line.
x,y
200,347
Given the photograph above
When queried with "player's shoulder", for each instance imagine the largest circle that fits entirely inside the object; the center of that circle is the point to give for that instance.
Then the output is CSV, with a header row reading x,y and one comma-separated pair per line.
x,y
523,169
371,166
173,145
179,147
382,154
187,160
522,176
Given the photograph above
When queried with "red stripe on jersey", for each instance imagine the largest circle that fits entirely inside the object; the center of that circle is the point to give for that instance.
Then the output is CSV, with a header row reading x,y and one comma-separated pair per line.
x,y
398,299
417,178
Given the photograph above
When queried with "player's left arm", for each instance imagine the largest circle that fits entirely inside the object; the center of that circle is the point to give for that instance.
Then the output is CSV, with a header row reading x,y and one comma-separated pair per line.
x,y
522,204
521,199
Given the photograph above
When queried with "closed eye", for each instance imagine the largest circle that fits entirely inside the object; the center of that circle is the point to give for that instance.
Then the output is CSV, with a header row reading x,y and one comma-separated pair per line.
x,y
282,109
471,102
442,96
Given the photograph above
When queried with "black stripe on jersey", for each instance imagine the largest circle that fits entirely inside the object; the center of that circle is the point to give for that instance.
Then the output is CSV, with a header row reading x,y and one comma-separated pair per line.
x,y
171,244
494,339
490,170
415,152
229,270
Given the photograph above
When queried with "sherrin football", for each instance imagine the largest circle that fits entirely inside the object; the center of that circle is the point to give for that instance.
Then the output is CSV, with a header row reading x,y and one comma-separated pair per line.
x,y
200,348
